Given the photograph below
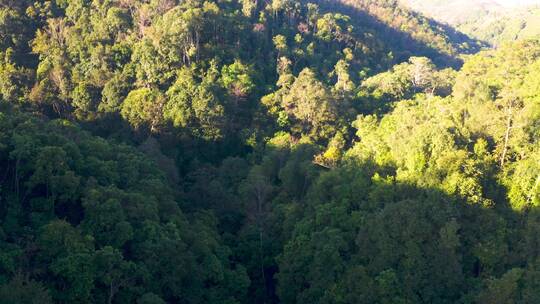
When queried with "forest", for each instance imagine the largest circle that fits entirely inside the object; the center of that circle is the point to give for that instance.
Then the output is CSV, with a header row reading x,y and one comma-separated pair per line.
x,y
279,151
492,21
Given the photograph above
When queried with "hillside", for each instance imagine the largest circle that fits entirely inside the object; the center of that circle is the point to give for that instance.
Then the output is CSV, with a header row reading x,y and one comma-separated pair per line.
x,y
485,20
246,151
455,12
509,25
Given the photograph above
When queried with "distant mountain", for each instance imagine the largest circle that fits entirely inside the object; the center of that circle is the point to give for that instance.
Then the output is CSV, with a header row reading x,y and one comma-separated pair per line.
x,y
486,20
511,24
454,12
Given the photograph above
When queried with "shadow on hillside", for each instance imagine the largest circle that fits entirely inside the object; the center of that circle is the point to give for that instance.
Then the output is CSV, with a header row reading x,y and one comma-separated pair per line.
x,y
382,224
174,143
305,200
399,40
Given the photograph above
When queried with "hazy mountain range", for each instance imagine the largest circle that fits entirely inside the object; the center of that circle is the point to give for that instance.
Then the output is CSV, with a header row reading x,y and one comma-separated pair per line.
x,y
488,20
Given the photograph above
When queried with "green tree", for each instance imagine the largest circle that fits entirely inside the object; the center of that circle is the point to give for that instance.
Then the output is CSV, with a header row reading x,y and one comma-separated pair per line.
x,y
195,104
311,105
23,291
143,108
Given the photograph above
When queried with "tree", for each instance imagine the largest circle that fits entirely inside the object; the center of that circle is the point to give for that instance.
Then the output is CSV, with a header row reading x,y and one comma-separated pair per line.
x,y
503,290
195,104
333,27
69,255
113,271
344,85
237,80
143,107
114,92
422,70
151,69
104,223
280,43
24,291
310,103
257,191
14,80
85,98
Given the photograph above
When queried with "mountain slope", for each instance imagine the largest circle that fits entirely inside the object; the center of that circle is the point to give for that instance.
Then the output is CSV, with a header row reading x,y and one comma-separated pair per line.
x,y
454,12
249,151
508,25
193,87
409,31
486,20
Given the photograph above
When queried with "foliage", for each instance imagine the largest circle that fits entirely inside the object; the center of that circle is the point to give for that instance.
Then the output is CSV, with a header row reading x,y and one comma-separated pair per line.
x,y
169,151
95,215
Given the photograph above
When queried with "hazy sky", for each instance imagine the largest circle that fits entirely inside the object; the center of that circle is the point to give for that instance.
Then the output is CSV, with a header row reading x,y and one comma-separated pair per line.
x,y
518,2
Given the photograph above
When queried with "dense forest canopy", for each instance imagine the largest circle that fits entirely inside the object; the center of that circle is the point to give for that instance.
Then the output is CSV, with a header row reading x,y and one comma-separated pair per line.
x,y
245,151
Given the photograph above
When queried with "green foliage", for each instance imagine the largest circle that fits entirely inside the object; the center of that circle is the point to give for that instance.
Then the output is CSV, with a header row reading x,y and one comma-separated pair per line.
x,y
502,290
195,104
310,103
22,291
367,219
99,212
487,21
236,78
143,107
168,151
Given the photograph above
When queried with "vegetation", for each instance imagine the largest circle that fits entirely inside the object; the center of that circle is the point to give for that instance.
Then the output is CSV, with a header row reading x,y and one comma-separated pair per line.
x,y
169,151
487,21
496,28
